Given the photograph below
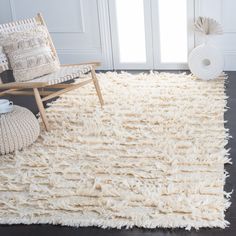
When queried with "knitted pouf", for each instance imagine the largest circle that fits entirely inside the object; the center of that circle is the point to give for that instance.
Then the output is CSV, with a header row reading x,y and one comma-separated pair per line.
x,y
18,129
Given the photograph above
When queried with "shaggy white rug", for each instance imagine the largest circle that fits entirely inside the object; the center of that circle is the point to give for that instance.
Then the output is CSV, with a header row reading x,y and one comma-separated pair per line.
x,y
152,157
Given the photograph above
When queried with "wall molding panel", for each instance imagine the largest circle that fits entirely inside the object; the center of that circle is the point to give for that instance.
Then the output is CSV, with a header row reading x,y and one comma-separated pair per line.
x,y
228,15
75,20
105,34
224,12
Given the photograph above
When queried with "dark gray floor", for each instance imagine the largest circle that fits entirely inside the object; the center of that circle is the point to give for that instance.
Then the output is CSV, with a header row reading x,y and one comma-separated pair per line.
x,y
47,230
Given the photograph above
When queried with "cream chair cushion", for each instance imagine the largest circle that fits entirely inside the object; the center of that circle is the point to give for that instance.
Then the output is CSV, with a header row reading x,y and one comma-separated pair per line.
x,y
29,53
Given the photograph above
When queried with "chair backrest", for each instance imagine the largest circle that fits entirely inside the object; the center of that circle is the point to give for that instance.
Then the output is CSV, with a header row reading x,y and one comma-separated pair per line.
x,y
22,25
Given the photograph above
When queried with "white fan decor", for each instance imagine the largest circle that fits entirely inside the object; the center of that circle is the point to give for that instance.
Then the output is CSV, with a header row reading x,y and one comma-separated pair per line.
x,y
206,61
208,26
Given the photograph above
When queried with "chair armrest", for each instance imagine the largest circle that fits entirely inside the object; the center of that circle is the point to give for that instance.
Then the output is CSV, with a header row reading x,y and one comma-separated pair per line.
x,y
24,85
95,64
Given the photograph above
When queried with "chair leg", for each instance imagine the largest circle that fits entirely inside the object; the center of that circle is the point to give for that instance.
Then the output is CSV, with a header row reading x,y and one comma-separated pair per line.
x,y
97,87
41,108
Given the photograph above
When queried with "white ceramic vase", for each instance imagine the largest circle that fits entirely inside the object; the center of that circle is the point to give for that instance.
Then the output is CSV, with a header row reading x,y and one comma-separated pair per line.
x,y
206,61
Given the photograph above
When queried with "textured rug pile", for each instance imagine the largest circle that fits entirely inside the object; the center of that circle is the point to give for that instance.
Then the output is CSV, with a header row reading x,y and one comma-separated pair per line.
x,y
152,157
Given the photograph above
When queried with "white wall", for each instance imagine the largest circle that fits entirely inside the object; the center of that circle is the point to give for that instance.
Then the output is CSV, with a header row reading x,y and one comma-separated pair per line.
x,y
76,27
80,28
225,12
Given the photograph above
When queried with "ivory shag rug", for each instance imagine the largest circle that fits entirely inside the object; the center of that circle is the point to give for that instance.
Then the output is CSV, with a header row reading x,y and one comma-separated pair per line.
x,y
152,157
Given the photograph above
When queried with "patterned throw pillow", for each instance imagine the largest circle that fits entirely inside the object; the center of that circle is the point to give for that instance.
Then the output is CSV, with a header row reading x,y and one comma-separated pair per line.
x,y
3,60
29,53
3,66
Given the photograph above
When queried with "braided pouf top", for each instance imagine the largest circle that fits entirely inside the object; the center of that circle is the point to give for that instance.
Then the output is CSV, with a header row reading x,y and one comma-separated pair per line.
x,y
18,129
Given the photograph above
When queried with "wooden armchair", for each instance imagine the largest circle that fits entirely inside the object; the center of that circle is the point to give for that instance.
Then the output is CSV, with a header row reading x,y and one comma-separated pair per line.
x,y
41,86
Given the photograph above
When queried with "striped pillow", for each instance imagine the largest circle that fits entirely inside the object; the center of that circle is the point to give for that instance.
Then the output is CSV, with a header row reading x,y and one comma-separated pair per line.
x,y
3,60
29,53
